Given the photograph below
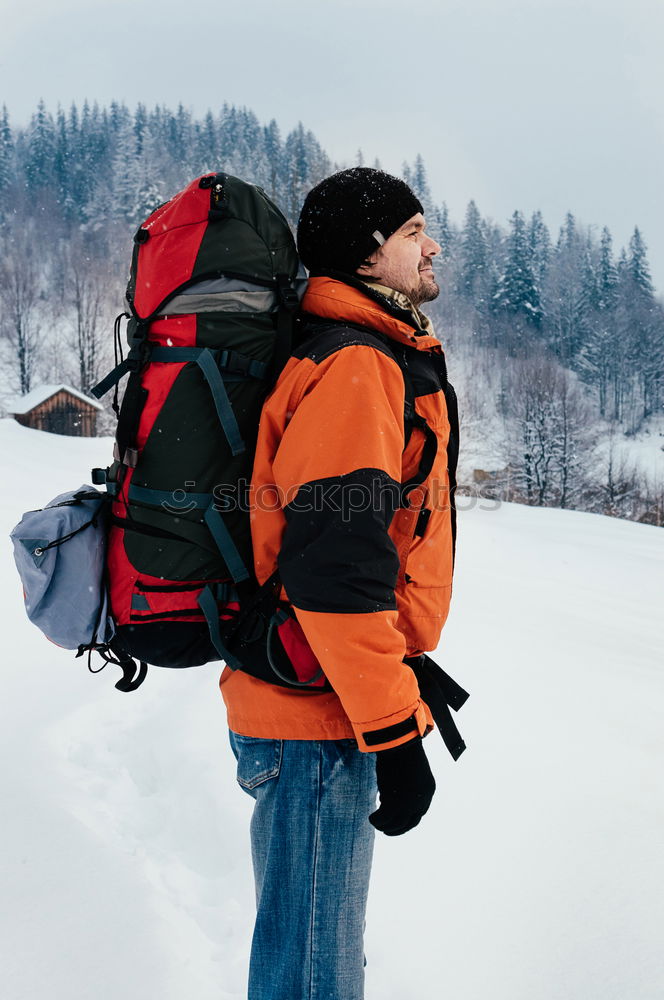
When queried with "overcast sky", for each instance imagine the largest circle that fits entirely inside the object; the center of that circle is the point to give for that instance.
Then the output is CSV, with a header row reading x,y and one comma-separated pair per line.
x,y
550,104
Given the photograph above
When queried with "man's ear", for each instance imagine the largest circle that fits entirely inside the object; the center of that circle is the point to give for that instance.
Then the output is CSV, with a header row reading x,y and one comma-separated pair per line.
x,y
365,270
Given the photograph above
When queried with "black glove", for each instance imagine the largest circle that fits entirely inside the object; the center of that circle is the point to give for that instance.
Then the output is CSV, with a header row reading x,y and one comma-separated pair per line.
x,y
406,786
439,691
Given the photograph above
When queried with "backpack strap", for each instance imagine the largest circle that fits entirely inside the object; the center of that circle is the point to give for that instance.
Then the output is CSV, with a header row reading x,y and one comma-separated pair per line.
x,y
208,367
135,395
428,457
286,313
411,420
226,545
208,605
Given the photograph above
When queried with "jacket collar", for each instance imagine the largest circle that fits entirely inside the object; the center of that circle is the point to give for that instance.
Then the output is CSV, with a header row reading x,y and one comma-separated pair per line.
x,y
344,298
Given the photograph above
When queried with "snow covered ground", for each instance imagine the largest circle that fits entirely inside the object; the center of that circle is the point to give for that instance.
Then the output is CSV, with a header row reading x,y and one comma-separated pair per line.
x,y
644,451
538,873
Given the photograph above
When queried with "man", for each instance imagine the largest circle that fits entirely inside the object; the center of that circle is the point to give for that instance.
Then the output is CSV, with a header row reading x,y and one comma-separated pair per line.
x,y
369,582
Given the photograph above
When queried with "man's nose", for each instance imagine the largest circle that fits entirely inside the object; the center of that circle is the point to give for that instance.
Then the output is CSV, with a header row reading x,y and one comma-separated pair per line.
x,y
429,247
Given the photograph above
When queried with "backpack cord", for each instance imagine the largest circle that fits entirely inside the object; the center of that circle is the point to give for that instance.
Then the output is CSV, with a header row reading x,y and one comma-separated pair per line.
x,y
41,549
118,355
131,678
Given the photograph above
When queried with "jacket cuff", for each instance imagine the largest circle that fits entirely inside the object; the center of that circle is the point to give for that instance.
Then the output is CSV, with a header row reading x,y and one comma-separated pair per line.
x,y
402,727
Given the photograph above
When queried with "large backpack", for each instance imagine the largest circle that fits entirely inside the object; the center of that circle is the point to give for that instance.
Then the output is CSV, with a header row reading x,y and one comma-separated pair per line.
x,y
212,297
212,301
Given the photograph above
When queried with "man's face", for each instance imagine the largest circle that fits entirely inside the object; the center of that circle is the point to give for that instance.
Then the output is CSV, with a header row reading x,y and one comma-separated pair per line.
x,y
404,262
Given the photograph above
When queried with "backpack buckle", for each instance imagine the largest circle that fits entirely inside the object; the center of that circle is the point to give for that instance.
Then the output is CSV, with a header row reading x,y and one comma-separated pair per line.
x,y
287,294
232,361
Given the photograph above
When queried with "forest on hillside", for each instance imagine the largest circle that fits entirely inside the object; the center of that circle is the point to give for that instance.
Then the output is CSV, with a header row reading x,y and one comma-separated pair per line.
x,y
555,340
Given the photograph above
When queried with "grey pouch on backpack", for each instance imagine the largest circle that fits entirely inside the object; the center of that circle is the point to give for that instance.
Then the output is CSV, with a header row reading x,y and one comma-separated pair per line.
x,y
60,554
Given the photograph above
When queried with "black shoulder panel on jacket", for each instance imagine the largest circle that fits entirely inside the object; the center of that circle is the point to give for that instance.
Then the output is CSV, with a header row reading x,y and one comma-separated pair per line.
x,y
425,369
320,343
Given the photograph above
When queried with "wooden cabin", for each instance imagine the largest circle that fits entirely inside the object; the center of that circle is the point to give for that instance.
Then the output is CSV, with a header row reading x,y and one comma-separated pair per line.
x,y
58,409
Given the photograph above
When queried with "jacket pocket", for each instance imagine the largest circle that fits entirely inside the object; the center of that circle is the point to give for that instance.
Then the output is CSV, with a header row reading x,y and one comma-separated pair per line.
x,y
258,759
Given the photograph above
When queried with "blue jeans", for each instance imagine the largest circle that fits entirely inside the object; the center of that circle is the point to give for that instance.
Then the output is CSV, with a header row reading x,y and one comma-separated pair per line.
x,y
312,845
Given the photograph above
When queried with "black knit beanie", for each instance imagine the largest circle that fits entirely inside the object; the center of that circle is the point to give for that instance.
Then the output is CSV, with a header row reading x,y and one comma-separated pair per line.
x,y
349,215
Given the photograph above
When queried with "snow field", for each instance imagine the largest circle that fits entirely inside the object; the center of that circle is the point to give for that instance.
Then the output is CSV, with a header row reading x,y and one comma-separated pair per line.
x,y
536,875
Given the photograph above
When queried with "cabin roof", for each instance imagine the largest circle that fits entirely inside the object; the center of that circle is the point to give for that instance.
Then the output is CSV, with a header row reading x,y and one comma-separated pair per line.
x,y
20,405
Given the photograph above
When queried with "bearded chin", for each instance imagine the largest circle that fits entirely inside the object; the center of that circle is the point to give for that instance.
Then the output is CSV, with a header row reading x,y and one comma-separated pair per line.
x,y
426,292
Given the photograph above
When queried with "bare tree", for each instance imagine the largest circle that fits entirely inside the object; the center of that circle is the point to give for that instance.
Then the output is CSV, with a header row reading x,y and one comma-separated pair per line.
x,y
20,295
86,287
616,490
576,436
550,437
652,497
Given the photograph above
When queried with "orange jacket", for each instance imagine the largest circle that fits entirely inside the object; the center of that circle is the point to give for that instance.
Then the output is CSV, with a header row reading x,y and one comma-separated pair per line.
x,y
369,584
